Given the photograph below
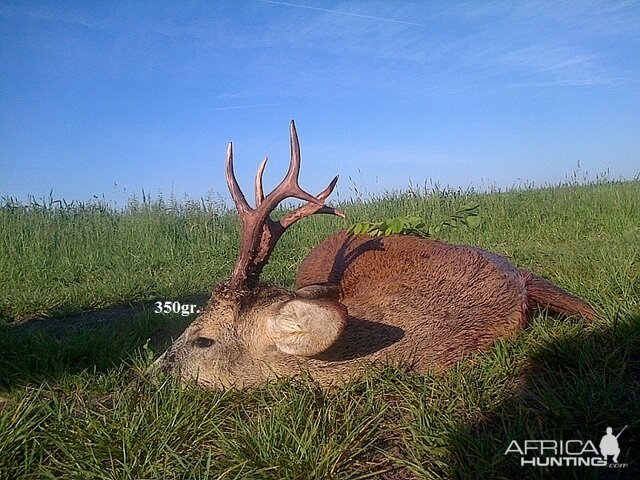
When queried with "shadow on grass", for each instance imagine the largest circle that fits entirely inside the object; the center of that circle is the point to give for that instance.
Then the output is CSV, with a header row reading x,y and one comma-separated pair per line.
x,y
574,388
47,349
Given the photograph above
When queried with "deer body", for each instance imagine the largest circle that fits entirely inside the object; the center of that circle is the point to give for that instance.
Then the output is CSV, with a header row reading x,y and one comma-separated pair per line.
x,y
359,300
426,302
438,300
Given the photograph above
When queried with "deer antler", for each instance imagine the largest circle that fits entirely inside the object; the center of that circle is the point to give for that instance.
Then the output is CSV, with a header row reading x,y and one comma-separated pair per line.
x,y
259,232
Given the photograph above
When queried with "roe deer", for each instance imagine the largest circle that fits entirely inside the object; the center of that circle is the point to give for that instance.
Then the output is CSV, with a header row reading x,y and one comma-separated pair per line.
x,y
359,300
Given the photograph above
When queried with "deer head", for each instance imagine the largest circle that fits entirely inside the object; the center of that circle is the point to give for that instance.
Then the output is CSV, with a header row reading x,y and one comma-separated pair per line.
x,y
251,332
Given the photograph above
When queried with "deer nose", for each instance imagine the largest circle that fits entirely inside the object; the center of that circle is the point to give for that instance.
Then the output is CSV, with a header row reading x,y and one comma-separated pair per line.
x,y
203,342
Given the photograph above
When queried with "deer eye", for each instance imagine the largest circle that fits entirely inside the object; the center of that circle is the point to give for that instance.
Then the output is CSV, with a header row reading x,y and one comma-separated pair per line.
x,y
203,342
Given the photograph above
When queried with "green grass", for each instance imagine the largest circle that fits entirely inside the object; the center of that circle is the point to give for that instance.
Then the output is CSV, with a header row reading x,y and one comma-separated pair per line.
x,y
74,402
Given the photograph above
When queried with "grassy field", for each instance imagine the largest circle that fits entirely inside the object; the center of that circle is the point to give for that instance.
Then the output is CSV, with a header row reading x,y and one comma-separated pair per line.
x,y
74,402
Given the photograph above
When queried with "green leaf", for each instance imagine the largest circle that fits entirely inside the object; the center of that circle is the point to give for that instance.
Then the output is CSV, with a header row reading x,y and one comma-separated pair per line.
x,y
395,225
473,221
413,221
467,207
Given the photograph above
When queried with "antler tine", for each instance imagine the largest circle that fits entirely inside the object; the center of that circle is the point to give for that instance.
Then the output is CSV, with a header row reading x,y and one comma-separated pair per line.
x,y
289,186
259,190
237,195
294,166
309,209
323,196
327,191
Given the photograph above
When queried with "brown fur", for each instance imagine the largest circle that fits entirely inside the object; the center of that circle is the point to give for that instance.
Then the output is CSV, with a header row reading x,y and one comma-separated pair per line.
x,y
394,299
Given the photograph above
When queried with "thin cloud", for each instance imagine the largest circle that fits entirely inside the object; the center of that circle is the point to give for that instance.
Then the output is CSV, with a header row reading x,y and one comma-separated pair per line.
x,y
585,82
457,50
239,107
47,15
340,12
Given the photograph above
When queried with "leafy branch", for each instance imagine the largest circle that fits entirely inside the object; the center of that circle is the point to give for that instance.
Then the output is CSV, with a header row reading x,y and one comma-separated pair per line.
x,y
466,216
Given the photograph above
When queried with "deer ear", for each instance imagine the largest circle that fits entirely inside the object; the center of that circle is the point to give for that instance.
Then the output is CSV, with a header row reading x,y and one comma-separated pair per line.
x,y
319,291
307,327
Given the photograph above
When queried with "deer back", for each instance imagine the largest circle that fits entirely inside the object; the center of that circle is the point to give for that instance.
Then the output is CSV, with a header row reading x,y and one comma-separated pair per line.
x,y
435,301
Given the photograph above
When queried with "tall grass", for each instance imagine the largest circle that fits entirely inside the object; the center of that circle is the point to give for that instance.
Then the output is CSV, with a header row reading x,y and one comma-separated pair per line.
x,y
64,258
59,259
74,402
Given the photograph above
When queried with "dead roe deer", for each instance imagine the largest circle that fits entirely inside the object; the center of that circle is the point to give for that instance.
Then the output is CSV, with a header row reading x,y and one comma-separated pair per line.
x,y
359,300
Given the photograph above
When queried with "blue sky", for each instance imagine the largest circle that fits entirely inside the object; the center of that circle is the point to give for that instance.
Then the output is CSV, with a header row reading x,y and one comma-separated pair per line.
x,y
110,98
